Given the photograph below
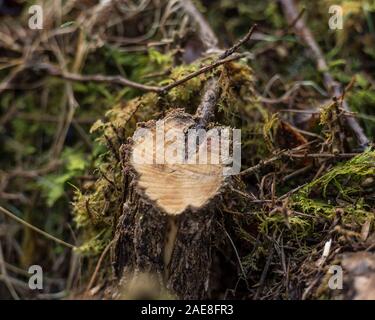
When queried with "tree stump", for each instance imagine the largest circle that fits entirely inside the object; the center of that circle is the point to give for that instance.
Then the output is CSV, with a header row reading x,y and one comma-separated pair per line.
x,y
171,222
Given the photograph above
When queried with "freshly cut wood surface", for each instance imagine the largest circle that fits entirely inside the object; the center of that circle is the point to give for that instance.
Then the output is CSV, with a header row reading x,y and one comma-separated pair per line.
x,y
177,186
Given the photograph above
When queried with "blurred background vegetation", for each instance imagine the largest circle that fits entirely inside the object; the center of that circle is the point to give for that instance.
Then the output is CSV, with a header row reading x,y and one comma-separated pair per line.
x,y
47,152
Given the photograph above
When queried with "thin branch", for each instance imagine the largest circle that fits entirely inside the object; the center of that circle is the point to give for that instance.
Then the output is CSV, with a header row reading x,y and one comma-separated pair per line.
x,y
291,13
55,71
237,256
291,154
206,34
210,41
26,224
260,164
199,72
264,273
4,273
278,156
296,19
324,155
205,110
239,44
97,268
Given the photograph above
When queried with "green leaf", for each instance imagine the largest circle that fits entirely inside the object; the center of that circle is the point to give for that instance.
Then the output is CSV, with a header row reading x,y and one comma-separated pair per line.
x,y
75,161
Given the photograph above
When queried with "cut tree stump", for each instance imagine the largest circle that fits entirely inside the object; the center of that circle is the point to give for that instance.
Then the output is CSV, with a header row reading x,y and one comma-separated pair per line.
x,y
171,224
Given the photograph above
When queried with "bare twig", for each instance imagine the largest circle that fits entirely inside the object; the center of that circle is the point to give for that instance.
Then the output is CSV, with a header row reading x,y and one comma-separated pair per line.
x,y
4,273
15,282
26,224
55,71
35,173
237,256
205,110
291,12
297,152
296,19
324,155
199,72
206,34
264,273
240,43
260,164
210,41
208,38
97,268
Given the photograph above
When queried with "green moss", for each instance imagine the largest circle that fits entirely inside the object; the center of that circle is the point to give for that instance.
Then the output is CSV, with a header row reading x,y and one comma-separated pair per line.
x,y
342,184
341,188
95,245
183,94
345,177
